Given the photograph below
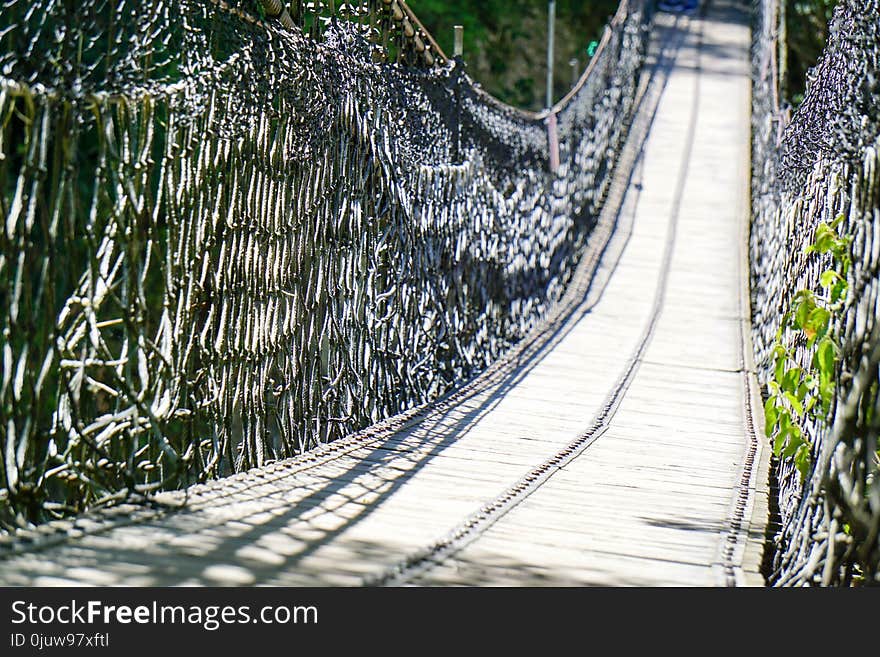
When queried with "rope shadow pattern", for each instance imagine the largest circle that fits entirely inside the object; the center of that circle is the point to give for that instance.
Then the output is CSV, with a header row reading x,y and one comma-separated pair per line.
x,y
225,242
808,168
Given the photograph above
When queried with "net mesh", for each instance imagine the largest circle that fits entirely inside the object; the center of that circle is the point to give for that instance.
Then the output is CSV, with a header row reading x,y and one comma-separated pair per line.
x,y
225,241
811,167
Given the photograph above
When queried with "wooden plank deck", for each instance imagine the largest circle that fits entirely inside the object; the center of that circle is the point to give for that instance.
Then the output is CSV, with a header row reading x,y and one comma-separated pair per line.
x,y
667,492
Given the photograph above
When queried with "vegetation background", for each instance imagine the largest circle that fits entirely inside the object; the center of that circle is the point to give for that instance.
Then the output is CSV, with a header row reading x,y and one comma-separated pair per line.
x,y
805,26
505,41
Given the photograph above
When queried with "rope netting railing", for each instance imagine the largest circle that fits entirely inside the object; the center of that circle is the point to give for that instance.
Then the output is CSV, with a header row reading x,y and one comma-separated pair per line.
x,y
816,237
390,25
224,241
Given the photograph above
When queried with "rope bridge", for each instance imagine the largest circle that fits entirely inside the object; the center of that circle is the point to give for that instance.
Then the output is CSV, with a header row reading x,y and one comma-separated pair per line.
x,y
225,241
235,230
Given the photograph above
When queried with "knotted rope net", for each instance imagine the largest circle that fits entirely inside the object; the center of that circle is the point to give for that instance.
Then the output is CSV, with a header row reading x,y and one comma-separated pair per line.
x,y
226,240
819,164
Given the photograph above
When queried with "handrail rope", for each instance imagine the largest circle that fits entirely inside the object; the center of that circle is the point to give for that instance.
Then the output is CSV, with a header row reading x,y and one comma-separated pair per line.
x,y
433,43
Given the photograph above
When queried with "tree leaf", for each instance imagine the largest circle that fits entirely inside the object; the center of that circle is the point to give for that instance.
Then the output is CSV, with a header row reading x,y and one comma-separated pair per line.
x,y
824,240
794,443
770,415
828,278
804,296
779,443
826,394
802,313
818,319
779,370
792,379
803,460
795,404
784,427
784,420
825,358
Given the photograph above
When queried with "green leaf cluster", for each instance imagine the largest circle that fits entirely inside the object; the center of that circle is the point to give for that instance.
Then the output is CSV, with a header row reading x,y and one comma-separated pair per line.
x,y
799,396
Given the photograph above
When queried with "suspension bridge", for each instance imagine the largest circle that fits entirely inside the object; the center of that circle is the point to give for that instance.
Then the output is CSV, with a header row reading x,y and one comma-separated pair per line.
x,y
549,380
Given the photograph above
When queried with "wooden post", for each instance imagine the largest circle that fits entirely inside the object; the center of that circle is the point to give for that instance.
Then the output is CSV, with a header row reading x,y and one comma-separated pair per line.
x,y
551,28
782,45
575,73
458,47
552,142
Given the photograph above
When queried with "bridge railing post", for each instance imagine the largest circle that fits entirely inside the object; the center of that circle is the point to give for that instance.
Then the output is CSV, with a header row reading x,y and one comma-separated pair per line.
x,y
551,35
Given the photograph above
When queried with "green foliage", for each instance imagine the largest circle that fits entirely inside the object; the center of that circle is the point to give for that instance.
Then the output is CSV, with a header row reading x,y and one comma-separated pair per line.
x,y
799,396
505,41
806,33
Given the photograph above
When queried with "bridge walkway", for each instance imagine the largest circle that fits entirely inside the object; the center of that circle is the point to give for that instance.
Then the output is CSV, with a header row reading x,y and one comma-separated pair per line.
x,y
615,446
